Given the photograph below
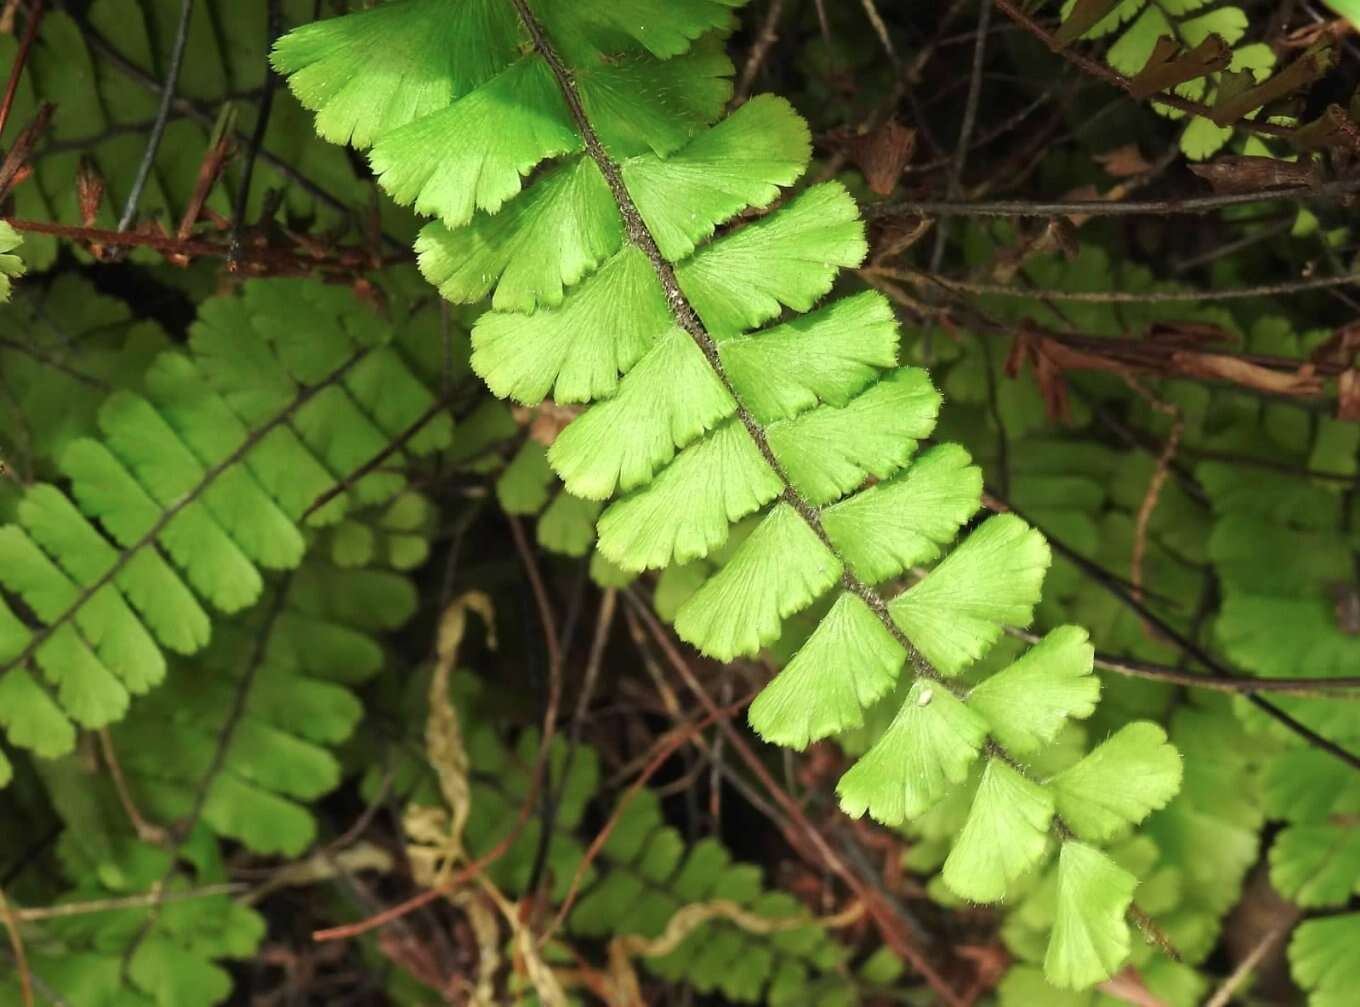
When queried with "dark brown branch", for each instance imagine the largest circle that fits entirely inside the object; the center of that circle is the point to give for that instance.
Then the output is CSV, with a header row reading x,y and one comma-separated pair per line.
x,y
1327,191
20,61
1239,685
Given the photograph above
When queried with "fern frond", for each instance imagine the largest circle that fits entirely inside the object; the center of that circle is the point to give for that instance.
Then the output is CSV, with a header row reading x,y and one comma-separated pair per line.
x,y
702,419
11,266
197,485
1189,47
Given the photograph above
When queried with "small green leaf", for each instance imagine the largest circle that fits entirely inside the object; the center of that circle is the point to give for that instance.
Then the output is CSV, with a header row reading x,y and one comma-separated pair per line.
x,y
1316,865
991,580
1090,936
828,356
1005,835
688,509
831,450
11,266
740,162
523,485
428,163
924,752
1028,702
568,525
789,258
890,527
577,350
780,569
849,661
1322,953
1121,781
378,69
667,401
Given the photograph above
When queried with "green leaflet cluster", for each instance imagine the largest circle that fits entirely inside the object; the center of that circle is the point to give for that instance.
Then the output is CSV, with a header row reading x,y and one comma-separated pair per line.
x,y
644,873
240,740
105,99
197,486
11,265
657,268
174,952
1298,622
1189,46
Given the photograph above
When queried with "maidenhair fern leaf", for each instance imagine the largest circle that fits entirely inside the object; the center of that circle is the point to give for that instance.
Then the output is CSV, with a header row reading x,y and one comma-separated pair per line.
x,y
780,569
1028,702
11,265
990,581
890,527
1090,935
665,402
789,258
827,356
1322,953
1317,865
1006,834
830,451
687,509
426,163
396,63
576,351
1123,779
925,751
741,162
850,661
553,237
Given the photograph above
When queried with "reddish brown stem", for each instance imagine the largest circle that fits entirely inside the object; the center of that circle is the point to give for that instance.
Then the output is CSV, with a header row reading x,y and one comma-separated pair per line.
x,y
20,59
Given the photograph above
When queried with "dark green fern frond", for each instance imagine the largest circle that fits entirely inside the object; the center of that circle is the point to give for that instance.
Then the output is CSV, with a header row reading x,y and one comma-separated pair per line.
x,y
196,486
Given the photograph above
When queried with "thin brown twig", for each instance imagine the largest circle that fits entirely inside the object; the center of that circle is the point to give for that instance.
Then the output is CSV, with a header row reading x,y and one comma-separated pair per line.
x,y
147,832
167,98
1236,685
663,749
544,605
348,259
1155,484
20,61
1224,994
16,943
880,29
1175,205
1115,296
67,909
760,51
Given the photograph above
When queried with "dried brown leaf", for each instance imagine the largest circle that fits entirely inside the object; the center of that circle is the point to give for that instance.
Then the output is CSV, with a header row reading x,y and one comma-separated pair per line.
x,y
1123,162
1084,16
1170,65
1348,395
882,154
1243,173
1239,94
1304,381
